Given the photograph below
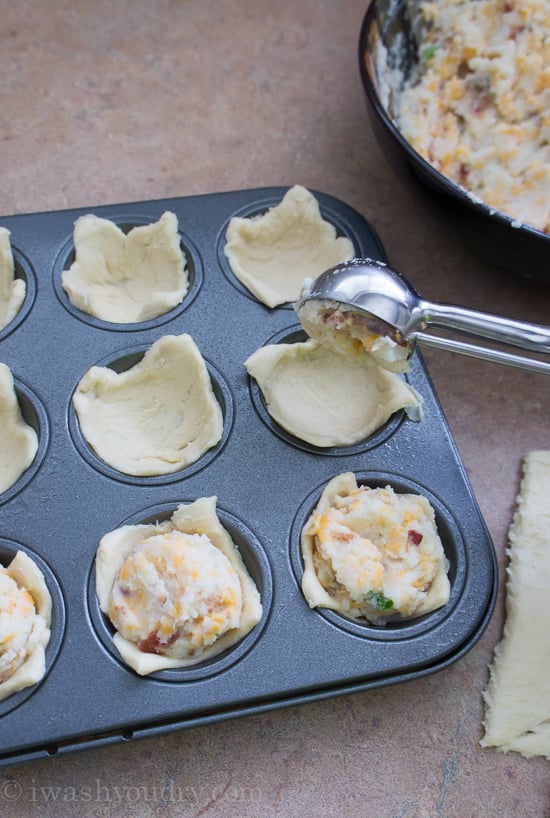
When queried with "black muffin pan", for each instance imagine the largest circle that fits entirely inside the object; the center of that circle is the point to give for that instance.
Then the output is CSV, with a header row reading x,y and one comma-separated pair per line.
x,y
266,483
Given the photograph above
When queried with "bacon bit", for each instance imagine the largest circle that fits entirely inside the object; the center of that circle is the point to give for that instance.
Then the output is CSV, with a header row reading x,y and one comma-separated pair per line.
x,y
463,175
343,536
480,104
376,326
326,317
152,643
414,537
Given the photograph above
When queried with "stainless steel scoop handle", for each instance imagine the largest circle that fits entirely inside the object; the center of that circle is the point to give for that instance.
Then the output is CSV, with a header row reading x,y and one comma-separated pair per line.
x,y
531,337
484,353
535,337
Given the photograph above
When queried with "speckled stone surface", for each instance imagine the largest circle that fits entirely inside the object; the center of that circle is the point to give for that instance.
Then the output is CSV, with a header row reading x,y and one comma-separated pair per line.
x,y
109,102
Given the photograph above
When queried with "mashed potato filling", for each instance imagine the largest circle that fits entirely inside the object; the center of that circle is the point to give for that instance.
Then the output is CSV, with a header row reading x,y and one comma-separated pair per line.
x,y
25,613
12,290
479,107
373,554
17,621
351,333
177,592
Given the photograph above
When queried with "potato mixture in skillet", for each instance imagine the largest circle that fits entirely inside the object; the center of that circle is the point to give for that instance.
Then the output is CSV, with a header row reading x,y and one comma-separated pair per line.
x,y
479,108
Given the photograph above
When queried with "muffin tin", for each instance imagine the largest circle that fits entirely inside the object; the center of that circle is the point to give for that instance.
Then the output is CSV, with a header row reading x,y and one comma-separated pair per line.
x,y
266,483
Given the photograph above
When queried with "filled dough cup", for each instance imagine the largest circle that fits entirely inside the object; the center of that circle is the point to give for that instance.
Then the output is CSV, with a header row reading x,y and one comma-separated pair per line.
x,y
272,253
126,277
156,418
177,593
373,554
25,620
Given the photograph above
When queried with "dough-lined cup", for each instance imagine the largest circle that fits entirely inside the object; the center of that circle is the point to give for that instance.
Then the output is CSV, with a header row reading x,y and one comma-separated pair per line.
x,y
16,271
24,433
305,420
125,224
453,548
258,575
150,422
249,261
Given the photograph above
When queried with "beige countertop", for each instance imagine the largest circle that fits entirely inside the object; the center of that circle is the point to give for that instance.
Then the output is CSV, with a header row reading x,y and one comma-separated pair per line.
x,y
109,102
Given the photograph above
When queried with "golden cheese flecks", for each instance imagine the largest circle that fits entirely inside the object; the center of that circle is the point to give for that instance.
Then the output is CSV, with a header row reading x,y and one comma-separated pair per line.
x,y
373,554
175,593
477,109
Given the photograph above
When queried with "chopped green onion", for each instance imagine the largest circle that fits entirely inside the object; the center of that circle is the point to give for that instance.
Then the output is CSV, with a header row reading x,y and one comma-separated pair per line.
x,y
378,600
428,53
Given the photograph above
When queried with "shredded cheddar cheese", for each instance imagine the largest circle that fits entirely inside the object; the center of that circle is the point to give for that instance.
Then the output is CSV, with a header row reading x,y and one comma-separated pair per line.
x,y
478,108
18,621
175,594
374,554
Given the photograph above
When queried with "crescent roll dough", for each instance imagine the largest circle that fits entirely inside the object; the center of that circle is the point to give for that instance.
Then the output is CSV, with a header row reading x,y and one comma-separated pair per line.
x,y
12,290
517,697
157,417
126,278
272,254
324,398
18,440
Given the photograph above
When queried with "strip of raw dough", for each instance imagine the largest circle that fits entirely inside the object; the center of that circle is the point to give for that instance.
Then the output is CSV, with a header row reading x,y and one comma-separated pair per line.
x,y
517,697
12,290
18,440
272,254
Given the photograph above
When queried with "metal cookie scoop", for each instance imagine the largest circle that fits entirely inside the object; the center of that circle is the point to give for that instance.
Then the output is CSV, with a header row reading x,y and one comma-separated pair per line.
x,y
364,302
